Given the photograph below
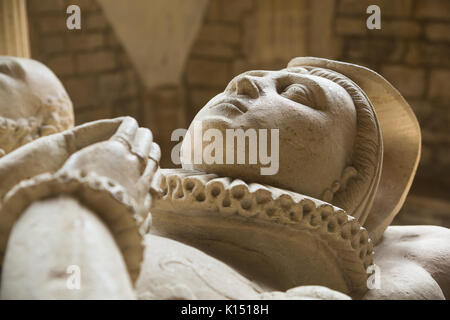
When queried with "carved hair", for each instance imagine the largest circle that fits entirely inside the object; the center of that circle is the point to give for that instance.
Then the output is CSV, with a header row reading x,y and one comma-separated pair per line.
x,y
352,193
53,116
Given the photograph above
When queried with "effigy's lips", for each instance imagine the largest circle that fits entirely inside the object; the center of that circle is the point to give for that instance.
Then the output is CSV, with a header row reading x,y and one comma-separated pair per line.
x,y
400,135
279,238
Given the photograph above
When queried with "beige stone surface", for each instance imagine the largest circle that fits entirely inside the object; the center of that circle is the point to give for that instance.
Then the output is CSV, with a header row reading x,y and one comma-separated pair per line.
x,y
409,81
414,263
224,232
173,270
45,243
305,293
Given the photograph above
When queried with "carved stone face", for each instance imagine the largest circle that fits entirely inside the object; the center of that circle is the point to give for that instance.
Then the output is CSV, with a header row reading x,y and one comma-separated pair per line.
x,y
315,116
33,103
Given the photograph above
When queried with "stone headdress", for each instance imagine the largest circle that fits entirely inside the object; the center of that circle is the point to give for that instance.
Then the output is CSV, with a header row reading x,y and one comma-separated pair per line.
x,y
387,167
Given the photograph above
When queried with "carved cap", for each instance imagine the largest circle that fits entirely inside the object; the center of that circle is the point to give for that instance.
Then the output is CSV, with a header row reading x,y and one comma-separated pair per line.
x,y
401,142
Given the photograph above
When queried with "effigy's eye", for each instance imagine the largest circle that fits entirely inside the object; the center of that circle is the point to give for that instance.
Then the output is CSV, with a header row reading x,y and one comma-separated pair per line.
x,y
299,93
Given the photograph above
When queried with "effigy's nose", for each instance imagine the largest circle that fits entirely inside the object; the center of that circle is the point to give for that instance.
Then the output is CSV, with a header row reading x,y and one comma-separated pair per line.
x,y
246,86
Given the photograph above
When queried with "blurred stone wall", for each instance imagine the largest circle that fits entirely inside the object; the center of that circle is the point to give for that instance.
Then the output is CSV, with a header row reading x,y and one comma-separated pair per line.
x,y
412,51
90,62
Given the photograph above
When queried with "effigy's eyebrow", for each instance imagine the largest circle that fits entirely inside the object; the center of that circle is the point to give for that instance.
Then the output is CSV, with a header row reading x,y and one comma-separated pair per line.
x,y
286,79
317,90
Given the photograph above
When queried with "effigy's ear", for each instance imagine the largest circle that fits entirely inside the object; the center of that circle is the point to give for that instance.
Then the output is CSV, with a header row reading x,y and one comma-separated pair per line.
x,y
401,140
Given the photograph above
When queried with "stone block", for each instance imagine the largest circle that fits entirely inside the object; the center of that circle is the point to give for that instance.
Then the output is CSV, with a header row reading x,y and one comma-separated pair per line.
x,y
112,86
219,33
214,50
232,10
46,6
199,97
409,81
439,87
52,44
374,50
92,114
435,9
83,92
430,54
96,61
396,8
95,21
400,29
208,73
438,31
351,26
85,41
53,24
85,5
62,64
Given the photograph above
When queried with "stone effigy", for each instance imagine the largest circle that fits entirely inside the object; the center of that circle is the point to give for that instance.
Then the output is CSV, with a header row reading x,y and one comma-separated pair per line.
x,y
76,197
349,146
348,149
